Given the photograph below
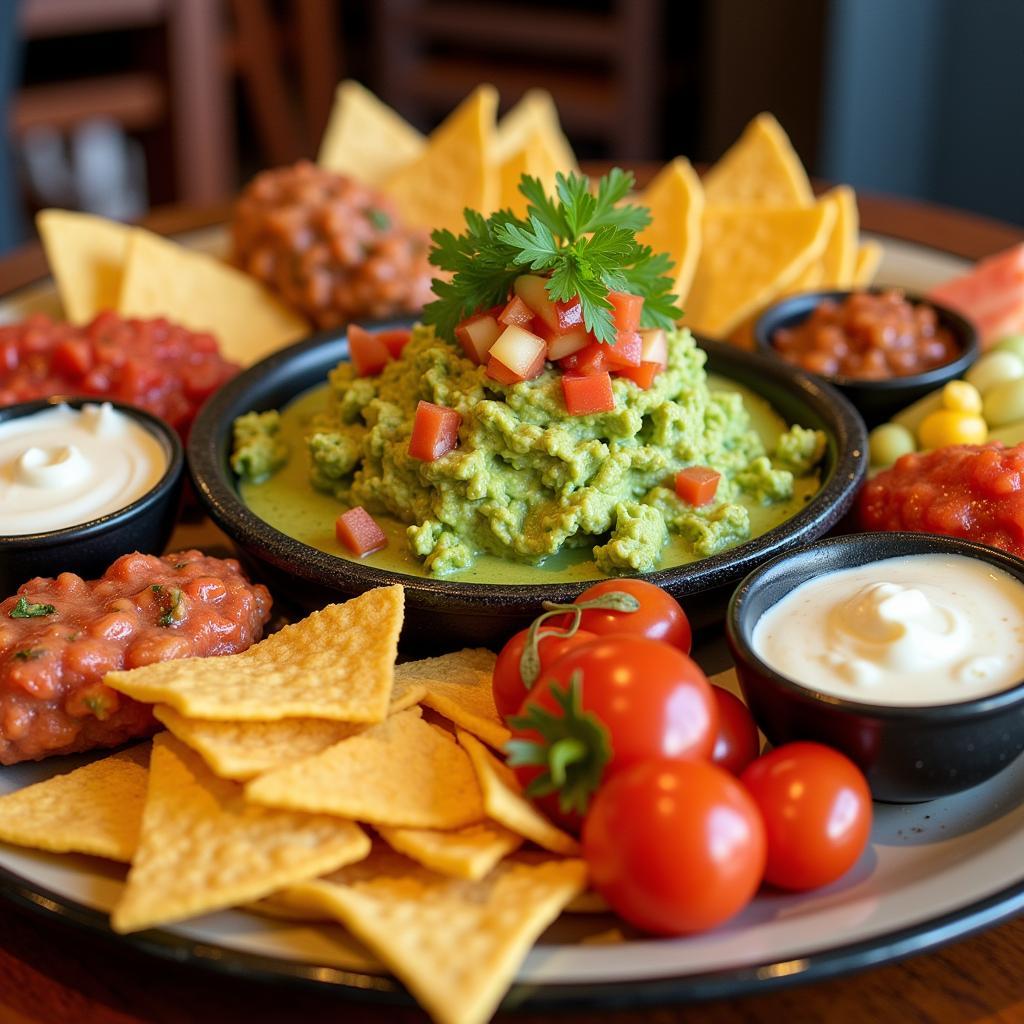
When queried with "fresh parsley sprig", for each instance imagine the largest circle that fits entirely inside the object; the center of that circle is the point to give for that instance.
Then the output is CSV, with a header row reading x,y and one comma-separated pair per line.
x,y
583,241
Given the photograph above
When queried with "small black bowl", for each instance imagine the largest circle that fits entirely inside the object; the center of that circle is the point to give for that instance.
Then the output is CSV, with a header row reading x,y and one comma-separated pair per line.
x,y
908,754
876,400
87,549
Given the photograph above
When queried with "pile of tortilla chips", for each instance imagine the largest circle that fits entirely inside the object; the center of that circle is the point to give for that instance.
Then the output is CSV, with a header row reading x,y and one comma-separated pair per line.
x,y
276,766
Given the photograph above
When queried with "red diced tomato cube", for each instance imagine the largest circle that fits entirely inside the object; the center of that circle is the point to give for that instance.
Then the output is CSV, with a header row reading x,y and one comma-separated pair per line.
x,y
358,531
521,351
435,431
627,349
368,353
516,312
500,372
654,346
477,335
592,359
697,485
72,357
395,340
564,344
588,393
569,313
642,375
533,290
626,310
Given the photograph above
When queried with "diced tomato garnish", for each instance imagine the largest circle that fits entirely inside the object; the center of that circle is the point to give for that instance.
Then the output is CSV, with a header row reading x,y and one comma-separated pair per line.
x,y
627,349
588,393
477,335
72,357
533,290
569,313
358,531
501,373
654,346
564,344
592,359
368,353
626,310
516,312
520,351
435,431
643,375
697,485
395,340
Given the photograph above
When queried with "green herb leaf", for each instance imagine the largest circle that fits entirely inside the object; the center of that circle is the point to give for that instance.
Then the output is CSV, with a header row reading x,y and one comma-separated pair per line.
x,y
378,218
30,653
24,609
174,611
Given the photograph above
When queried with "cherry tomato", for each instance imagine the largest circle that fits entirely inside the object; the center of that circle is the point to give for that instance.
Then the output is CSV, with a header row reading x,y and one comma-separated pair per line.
x,y
816,807
674,846
659,616
737,743
507,685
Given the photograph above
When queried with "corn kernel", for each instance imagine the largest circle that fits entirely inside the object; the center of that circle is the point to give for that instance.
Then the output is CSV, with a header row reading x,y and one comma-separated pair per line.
x,y
959,396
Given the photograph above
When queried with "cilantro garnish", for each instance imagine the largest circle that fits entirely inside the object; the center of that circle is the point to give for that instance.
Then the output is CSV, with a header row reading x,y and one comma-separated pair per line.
x,y
378,218
173,611
585,242
30,653
24,609
99,705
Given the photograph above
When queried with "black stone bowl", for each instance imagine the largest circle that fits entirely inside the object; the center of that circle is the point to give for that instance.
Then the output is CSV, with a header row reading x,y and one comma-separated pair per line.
x,y
909,754
440,612
87,549
876,400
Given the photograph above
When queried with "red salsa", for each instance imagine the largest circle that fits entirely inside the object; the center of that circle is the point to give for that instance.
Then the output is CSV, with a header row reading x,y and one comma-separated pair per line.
x,y
60,637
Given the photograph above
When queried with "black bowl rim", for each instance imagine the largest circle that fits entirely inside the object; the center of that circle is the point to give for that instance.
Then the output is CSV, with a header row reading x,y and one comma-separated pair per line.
x,y
963,329
894,544
223,504
91,527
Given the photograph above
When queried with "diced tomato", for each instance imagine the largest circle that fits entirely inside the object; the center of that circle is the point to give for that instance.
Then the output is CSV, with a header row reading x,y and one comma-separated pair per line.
x,y
627,349
643,375
592,359
533,290
697,485
368,353
516,312
626,310
654,346
564,344
569,313
588,393
520,351
395,340
501,373
477,335
358,531
72,358
435,431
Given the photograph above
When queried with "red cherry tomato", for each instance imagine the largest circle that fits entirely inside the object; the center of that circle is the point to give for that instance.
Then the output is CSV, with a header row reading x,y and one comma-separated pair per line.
x,y
737,743
507,684
674,846
816,807
659,616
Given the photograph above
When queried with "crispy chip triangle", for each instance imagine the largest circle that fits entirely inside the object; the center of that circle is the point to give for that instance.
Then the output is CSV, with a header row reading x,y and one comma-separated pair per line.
x,y
456,944
761,167
534,120
455,170
533,159
337,663
365,139
839,260
869,258
86,254
676,201
504,801
94,809
402,772
202,847
192,288
462,853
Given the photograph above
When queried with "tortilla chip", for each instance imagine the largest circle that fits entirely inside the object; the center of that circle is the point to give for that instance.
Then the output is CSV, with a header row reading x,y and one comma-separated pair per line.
x,y
402,772
455,944
204,848
869,258
469,852
533,122
94,809
504,801
86,254
676,201
839,260
454,171
761,167
532,159
749,255
163,279
337,663
365,138
589,901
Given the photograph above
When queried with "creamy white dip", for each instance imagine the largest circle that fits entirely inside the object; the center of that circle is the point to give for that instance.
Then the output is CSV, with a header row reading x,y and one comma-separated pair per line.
x,y
915,630
62,467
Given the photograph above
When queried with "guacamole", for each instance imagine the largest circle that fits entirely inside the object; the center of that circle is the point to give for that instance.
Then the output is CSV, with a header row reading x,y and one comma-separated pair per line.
x,y
531,485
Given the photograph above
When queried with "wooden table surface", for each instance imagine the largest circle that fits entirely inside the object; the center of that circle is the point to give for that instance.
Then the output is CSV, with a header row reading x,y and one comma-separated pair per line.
x,y
53,974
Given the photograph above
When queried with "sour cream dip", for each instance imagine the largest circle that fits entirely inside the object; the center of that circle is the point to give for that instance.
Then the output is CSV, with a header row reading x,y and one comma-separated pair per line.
x,y
63,467
907,631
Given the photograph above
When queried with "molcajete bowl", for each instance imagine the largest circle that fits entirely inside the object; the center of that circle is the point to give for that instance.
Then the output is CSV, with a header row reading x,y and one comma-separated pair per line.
x,y
908,753
441,612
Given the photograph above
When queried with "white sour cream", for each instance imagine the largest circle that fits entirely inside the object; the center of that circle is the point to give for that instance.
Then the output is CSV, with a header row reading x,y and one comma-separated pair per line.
x,y
62,467
915,630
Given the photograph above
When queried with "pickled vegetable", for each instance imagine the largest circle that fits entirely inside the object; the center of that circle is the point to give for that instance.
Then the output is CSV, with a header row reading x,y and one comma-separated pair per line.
x,y
994,368
888,442
1004,403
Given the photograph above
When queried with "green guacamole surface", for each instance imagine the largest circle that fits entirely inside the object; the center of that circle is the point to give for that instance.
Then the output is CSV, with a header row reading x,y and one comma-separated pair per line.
x,y
531,494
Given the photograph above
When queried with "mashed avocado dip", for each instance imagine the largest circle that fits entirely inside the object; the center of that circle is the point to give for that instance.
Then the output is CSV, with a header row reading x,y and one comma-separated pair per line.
x,y
531,491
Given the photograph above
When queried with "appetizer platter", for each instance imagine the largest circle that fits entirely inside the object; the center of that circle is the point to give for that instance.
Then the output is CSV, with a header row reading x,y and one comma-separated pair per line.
x,y
392,691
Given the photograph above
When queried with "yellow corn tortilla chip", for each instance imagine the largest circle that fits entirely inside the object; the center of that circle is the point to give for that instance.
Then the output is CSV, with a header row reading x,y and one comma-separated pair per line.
x,y
469,852
402,772
749,255
454,171
192,288
203,848
588,902
839,260
86,254
337,663
533,121
455,944
364,138
94,809
243,750
533,159
504,801
869,258
761,167
459,688
676,201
